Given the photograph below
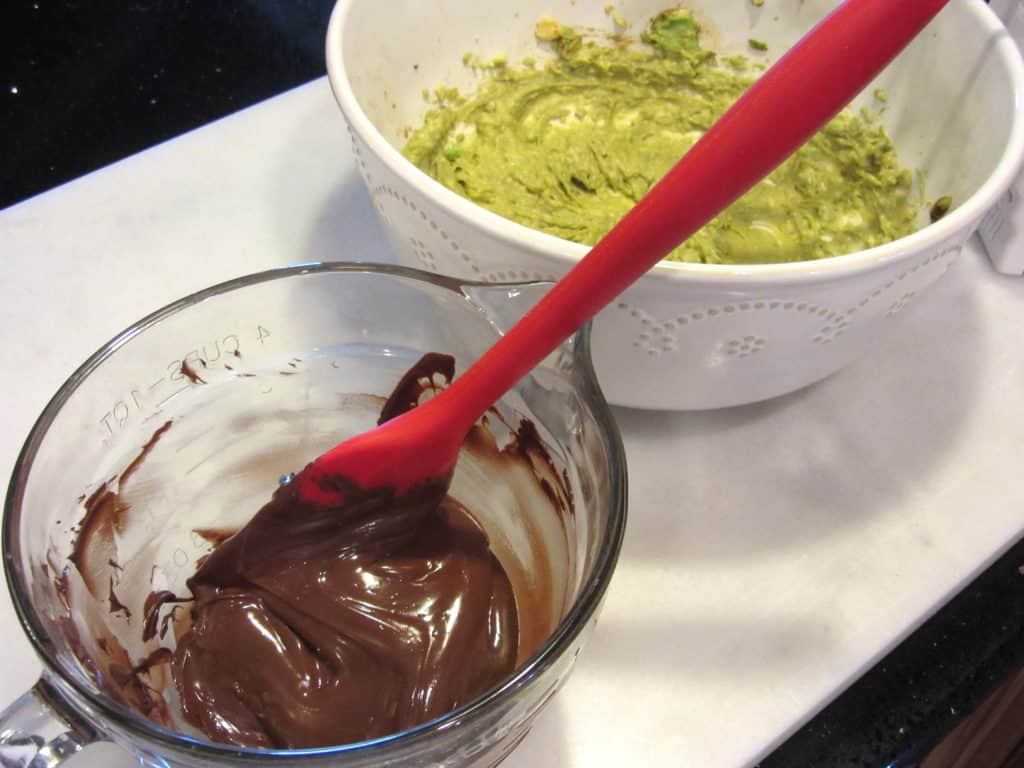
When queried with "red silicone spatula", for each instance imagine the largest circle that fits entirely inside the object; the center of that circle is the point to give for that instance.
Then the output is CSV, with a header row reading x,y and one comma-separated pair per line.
x,y
790,102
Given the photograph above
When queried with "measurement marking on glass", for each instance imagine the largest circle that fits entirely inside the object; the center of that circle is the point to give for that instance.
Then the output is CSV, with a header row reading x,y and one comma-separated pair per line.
x,y
188,445
175,392
200,463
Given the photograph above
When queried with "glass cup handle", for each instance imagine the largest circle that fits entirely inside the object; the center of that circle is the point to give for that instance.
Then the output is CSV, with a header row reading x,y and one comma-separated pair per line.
x,y
39,730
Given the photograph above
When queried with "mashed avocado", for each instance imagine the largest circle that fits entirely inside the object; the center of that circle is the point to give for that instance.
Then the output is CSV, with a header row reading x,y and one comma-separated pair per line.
x,y
571,146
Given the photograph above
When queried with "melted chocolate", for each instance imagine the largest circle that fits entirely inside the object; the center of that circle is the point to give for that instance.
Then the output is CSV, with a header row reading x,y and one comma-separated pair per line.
x,y
94,546
151,613
189,373
416,381
116,606
315,626
382,620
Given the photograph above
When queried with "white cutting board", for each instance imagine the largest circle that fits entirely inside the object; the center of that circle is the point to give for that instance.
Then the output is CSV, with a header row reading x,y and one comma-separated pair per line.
x,y
774,552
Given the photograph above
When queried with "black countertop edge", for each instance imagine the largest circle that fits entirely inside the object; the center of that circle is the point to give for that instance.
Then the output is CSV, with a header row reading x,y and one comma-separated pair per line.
x,y
896,712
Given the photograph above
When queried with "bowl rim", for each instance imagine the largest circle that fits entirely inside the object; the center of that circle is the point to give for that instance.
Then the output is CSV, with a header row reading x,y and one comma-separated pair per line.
x,y
118,718
962,219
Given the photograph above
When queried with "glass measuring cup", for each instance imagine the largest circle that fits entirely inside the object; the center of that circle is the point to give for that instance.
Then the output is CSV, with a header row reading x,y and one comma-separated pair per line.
x,y
257,376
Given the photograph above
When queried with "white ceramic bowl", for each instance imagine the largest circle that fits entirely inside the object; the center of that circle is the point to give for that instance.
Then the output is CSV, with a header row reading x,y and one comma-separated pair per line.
x,y
690,336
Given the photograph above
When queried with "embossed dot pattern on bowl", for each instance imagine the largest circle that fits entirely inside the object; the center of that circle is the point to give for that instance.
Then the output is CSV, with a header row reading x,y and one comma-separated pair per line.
x,y
655,337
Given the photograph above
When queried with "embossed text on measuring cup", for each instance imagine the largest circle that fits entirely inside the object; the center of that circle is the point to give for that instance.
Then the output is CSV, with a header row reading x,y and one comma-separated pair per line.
x,y
217,357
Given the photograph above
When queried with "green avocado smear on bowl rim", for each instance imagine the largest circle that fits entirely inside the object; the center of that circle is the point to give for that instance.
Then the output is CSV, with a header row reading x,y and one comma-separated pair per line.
x,y
568,147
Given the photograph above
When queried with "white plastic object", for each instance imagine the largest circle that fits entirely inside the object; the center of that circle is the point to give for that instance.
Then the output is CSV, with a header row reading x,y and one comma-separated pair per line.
x,y
1002,229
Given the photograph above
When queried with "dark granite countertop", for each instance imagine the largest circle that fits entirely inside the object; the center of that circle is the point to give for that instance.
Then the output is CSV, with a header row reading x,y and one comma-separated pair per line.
x,y
86,83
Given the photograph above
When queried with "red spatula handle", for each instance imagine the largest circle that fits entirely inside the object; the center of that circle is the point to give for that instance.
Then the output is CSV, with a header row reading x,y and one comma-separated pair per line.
x,y
787,105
